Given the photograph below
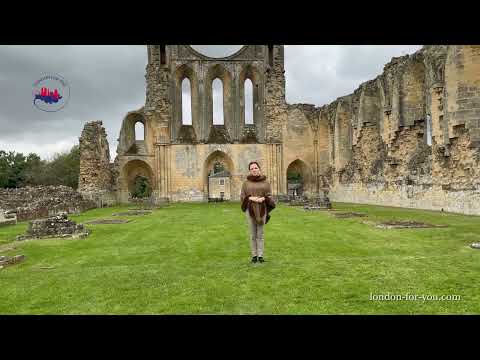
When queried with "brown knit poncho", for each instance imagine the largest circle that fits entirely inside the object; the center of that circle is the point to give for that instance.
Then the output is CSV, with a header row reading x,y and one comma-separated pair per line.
x,y
257,186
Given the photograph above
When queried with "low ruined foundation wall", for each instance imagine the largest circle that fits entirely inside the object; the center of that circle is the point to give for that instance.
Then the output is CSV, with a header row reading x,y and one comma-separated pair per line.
x,y
101,198
34,202
424,197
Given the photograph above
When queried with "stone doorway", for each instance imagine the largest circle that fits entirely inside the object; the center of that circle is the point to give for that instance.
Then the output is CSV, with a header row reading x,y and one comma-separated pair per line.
x,y
219,183
298,179
218,169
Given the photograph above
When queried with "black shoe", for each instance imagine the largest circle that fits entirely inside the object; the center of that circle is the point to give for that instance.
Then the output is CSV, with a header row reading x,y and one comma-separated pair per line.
x,y
261,259
254,259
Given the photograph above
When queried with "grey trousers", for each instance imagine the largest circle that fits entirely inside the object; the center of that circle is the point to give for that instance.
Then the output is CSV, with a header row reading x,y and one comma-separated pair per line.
x,y
256,235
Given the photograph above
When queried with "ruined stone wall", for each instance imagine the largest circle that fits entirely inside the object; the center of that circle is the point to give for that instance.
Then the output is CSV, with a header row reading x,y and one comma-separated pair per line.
x,y
94,158
457,169
300,143
392,163
58,226
33,202
369,153
370,146
275,104
158,100
367,112
324,140
176,157
343,133
96,181
180,172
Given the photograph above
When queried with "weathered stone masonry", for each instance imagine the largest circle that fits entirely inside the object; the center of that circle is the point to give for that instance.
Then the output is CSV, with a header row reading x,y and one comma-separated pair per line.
x,y
97,174
391,162
33,202
177,158
371,146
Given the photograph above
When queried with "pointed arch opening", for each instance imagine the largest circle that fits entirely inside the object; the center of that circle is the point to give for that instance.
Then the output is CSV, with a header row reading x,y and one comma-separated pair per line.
x,y
133,134
218,170
299,179
217,102
139,131
186,125
248,95
186,102
139,179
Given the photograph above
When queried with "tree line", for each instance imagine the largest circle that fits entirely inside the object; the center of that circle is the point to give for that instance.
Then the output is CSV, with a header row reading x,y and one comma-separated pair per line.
x,y
18,170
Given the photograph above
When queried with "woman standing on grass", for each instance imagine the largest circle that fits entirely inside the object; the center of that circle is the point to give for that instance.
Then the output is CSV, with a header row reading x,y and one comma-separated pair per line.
x,y
256,201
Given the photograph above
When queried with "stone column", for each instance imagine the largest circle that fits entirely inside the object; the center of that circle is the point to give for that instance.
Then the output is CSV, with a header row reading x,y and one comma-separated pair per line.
x,y
274,168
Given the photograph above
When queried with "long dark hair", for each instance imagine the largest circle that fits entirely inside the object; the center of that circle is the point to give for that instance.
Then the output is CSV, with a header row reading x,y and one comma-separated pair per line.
x,y
253,162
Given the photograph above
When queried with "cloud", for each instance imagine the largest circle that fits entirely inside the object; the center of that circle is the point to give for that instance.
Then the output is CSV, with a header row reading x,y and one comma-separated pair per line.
x,y
320,74
105,83
49,148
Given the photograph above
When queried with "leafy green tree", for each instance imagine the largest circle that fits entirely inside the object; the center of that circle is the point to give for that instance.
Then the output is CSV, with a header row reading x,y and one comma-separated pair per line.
x,y
64,169
12,166
293,176
18,171
142,187
4,168
35,170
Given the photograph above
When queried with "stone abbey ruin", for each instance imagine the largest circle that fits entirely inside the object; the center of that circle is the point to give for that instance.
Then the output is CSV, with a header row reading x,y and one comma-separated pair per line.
x,y
409,138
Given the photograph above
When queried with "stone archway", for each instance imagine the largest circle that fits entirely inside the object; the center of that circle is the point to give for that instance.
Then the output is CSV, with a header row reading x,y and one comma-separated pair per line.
x,y
217,174
131,142
299,179
139,179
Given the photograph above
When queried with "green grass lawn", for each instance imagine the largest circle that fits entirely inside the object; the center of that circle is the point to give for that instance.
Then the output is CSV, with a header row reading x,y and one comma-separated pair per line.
x,y
195,259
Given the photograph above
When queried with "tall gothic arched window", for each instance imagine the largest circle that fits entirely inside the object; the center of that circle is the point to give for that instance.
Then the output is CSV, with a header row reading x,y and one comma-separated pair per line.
x,y
217,99
186,102
248,92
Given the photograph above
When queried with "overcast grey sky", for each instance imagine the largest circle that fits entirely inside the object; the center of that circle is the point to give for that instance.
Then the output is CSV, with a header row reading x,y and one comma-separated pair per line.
x,y
108,81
